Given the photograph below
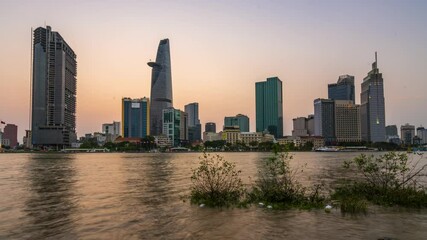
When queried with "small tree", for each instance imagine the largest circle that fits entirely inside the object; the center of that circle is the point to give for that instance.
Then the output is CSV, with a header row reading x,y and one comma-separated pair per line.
x,y
216,182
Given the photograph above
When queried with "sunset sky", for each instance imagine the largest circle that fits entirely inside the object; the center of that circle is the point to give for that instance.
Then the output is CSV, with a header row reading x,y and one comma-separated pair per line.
x,y
219,49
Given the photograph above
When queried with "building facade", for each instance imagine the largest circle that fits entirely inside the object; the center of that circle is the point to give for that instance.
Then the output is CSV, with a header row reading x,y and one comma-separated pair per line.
x,y
231,135
269,106
392,135
212,136
422,135
175,126
240,120
193,122
1,139
53,116
372,107
301,141
303,126
210,127
391,130
324,119
407,133
135,117
161,87
343,89
347,121
11,135
111,130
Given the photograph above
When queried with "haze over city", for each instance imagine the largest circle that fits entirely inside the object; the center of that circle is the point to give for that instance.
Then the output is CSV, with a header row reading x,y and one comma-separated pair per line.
x,y
218,51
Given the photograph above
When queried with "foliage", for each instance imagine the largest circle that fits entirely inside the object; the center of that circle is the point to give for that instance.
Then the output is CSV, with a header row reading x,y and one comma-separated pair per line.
x,y
391,170
146,144
89,143
277,185
308,146
389,179
216,182
217,144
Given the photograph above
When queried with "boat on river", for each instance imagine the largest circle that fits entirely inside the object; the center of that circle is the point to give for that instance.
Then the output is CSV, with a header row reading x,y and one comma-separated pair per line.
x,y
326,149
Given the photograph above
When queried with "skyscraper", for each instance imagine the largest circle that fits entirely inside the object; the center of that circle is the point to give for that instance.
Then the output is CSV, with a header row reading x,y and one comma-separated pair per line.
x,y
193,122
269,106
161,86
175,125
343,89
192,109
324,119
240,120
53,117
372,106
135,117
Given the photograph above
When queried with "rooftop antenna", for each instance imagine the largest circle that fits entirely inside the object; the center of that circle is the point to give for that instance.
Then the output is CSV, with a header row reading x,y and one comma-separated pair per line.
x,y
376,61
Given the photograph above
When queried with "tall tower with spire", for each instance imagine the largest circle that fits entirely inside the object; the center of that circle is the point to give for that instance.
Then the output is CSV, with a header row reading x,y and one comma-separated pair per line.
x,y
372,107
161,87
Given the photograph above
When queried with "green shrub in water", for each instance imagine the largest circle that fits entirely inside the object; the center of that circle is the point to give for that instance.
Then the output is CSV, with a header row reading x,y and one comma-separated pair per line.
x,y
390,179
216,182
277,185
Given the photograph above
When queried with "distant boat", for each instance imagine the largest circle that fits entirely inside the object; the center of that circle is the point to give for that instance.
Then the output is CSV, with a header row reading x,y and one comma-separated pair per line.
x,y
326,149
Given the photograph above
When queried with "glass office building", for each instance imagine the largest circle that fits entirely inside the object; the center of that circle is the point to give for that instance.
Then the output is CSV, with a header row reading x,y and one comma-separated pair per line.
x,y
135,117
269,106
343,89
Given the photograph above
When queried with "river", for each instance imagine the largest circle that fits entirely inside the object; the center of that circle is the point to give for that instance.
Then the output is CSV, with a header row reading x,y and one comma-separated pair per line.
x,y
138,196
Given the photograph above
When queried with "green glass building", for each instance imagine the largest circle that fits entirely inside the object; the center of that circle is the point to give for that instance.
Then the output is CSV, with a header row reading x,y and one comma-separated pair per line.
x,y
269,106
239,120
175,126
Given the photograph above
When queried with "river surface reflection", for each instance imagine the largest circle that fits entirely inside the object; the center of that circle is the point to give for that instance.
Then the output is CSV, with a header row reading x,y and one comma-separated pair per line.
x,y
138,196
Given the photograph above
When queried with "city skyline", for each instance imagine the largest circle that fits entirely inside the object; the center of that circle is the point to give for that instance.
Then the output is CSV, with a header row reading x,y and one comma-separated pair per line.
x,y
306,51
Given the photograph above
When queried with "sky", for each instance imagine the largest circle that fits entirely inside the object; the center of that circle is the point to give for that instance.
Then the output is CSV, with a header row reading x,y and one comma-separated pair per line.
x,y
219,49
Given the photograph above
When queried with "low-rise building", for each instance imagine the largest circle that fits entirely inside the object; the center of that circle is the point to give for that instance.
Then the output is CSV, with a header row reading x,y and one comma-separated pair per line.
x,y
212,136
163,141
248,137
303,126
111,130
231,135
301,141
10,135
